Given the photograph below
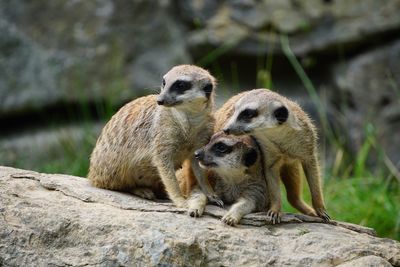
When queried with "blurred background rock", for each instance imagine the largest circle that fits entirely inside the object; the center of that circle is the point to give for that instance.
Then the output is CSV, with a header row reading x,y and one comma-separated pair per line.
x,y
67,65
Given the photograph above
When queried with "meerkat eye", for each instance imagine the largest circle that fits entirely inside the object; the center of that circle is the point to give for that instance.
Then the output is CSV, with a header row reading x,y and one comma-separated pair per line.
x,y
248,114
163,82
208,89
221,148
180,86
281,114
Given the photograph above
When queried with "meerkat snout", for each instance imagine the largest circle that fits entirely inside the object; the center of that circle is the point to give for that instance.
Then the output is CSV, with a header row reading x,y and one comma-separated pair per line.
x,y
199,154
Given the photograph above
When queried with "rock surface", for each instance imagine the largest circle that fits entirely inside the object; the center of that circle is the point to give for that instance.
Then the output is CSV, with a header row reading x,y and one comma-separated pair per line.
x,y
83,51
60,220
368,88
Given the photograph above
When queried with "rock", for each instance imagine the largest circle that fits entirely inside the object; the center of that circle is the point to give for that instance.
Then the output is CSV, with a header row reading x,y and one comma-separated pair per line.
x,y
37,147
91,50
368,88
314,26
60,220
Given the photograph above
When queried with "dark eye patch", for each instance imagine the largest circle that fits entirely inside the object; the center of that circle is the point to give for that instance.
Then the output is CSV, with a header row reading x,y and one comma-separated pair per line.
x,y
180,86
247,114
220,149
250,157
208,90
281,114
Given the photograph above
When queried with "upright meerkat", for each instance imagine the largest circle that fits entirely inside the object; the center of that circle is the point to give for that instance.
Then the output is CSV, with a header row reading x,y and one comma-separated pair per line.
x,y
234,165
148,139
288,136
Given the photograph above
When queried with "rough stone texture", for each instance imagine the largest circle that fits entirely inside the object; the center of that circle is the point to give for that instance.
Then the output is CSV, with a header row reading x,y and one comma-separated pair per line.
x,y
60,220
252,27
82,51
368,87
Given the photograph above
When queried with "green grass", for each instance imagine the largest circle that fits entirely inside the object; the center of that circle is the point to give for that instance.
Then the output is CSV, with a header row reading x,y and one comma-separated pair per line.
x,y
366,201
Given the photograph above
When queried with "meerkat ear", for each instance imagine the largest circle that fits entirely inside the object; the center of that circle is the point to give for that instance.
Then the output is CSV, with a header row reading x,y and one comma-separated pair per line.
x,y
250,158
208,89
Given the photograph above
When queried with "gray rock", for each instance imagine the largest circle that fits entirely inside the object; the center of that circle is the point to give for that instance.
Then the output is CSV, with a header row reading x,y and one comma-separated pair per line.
x,y
313,26
369,92
60,220
83,51
37,147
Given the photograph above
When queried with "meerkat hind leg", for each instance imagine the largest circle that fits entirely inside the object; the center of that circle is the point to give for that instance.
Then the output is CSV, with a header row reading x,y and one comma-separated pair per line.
x,y
312,172
143,192
291,178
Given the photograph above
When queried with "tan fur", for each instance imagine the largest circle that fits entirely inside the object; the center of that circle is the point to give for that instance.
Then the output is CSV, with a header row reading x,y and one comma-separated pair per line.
x,y
143,144
289,146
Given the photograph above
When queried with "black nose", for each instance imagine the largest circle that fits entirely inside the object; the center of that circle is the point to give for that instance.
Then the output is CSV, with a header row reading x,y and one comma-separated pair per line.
x,y
160,102
199,154
226,130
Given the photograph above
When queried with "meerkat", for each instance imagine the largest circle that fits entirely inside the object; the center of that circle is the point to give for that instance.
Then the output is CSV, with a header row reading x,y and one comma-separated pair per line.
x,y
288,136
234,167
148,139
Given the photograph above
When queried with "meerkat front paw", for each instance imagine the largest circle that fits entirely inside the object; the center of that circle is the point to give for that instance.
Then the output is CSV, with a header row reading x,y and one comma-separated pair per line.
x,y
144,192
321,212
180,202
274,216
230,219
195,212
196,206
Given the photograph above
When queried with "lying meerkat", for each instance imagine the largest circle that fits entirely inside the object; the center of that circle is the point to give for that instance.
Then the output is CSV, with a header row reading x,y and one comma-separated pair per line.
x,y
288,136
148,139
234,165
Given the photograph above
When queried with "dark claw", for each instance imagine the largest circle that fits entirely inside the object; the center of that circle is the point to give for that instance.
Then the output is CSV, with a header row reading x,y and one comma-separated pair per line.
x,y
194,214
216,200
273,217
324,215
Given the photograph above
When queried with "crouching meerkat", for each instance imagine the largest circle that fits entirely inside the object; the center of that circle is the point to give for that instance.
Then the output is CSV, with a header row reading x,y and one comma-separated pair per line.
x,y
288,136
234,166
148,139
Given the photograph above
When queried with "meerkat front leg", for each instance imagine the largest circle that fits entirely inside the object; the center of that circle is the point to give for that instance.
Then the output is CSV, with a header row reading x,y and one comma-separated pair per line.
x,y
197,201
243,206
273,182
313,175
166,170
204,184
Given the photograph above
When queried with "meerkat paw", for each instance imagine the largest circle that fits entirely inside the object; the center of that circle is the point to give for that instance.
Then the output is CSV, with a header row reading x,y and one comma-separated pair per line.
x,y
195,212
230,219
180,202
197,206
144,192
215,200
322,213
274,216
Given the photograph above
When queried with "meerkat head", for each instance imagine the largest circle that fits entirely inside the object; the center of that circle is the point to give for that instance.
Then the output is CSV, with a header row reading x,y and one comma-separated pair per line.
x,y
228,155
186,86
260,110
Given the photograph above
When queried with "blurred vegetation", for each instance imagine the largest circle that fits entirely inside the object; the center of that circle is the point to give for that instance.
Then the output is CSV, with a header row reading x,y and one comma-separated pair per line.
x,y
353,193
